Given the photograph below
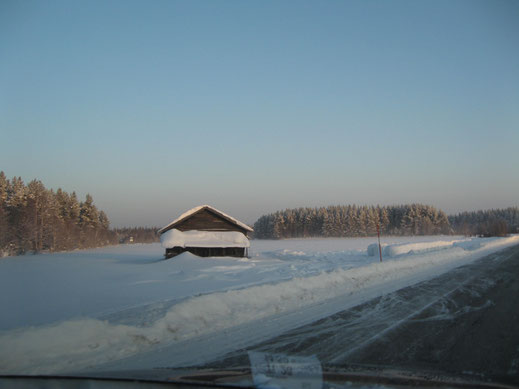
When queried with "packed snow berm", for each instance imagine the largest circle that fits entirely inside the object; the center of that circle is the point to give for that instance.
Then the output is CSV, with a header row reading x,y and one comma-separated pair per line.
x,y
75,311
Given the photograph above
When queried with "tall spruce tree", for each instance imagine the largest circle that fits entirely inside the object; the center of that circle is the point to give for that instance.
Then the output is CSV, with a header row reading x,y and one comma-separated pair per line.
x,y
33,218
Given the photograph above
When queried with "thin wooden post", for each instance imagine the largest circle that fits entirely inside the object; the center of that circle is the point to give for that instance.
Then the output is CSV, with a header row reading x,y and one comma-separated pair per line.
x,y
379,247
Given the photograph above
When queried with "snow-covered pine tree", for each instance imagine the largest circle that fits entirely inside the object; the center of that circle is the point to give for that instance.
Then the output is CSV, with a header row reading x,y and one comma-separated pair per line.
x,y
19,239
88,222
384,220
37,198
362,221
372,222
4,226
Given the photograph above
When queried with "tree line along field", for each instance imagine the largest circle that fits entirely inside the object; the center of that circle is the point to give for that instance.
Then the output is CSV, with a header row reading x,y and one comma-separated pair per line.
x,y
35,219
494,222
353,221
358,221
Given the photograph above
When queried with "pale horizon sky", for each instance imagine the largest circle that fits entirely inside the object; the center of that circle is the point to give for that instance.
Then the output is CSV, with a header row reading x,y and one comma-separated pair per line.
x,y
255,106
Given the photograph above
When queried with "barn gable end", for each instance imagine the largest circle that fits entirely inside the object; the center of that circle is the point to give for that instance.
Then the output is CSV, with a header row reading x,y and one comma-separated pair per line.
x,y
206,220
205,231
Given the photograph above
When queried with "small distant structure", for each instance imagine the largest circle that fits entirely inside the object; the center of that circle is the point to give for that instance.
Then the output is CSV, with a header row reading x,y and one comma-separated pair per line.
x,y
207,232
126,240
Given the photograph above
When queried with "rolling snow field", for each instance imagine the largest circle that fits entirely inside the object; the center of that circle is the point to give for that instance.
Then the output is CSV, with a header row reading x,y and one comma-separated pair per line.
x,y
77,310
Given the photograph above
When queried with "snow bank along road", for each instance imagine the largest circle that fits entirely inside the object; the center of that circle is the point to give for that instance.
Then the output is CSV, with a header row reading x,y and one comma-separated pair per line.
x,y
463,321
81,316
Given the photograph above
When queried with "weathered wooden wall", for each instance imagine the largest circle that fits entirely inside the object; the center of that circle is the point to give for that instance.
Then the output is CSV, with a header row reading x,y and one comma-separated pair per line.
x,y
206,220
208,251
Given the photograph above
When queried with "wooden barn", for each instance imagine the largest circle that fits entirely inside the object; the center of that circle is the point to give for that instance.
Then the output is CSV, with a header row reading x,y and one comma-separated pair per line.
x,y
206,232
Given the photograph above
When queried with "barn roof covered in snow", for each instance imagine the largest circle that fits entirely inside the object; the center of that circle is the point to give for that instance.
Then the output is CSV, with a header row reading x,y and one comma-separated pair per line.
x,y
176,238
197,212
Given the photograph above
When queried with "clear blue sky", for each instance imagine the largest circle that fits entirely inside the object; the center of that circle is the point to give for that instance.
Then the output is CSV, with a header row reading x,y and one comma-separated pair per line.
x,y
252,106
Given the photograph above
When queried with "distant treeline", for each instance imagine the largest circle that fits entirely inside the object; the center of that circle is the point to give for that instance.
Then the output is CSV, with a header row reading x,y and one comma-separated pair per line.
x,y
137,234
352,221
36,219
33,218
494,222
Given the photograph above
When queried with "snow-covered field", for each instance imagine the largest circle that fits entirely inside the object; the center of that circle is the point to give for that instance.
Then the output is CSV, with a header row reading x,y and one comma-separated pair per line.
x,y
72,311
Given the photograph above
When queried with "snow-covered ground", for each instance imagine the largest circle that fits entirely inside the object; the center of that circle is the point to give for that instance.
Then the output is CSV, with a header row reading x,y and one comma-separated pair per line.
x,y
72,311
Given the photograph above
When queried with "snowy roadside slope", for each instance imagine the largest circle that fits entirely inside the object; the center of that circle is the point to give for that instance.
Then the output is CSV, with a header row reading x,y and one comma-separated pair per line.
x,y
43,289
416,248
393,250
86,343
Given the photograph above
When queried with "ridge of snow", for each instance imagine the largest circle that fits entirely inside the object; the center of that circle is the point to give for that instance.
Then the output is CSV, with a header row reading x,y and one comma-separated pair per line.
x,y
197,297
195,238
205,206
82,343
393,250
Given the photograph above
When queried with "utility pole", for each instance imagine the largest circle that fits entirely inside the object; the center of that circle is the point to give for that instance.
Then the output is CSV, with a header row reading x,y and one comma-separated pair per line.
x,y
379,247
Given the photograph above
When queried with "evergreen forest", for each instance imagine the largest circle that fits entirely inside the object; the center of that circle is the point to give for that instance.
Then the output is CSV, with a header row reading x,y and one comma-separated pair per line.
x,y
137,234
493,222
35,219
352,221
357,221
